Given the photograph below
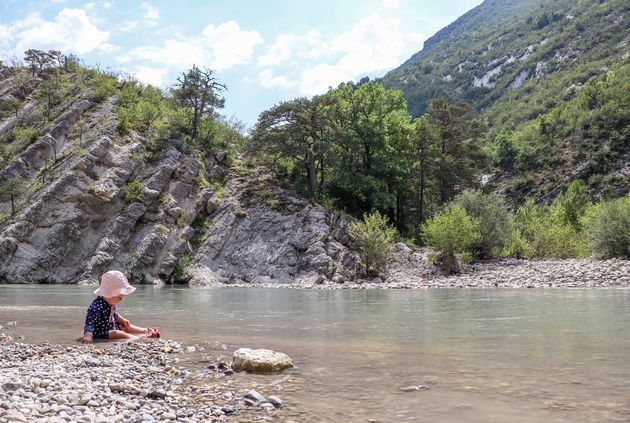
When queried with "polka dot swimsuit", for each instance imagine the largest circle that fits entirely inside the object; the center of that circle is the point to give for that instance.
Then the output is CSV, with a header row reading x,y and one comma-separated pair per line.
x,y
98,320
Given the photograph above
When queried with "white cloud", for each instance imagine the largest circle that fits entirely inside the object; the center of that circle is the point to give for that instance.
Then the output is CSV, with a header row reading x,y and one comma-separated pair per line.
x,y
107,5
128,26
218,47
151,14
391,4
151,75
372,45
71,31
309,46
268,80
230,46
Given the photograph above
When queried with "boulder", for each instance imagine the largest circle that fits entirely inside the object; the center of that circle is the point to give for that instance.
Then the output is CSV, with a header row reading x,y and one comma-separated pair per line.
x,y
260,361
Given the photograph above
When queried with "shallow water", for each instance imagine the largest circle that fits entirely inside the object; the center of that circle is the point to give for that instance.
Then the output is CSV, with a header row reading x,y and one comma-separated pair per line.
x,y
486,355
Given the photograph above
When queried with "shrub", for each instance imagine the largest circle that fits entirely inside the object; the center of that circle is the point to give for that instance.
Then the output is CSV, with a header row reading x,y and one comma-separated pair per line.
x,y
25,135
104,88
184,262
607,227
132,191
573,203
124,124
451,232
491,213
542,232
375,239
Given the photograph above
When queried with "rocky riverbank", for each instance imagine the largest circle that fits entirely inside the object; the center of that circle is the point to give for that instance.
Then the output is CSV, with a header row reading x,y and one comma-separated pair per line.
x,y
413,269
129,382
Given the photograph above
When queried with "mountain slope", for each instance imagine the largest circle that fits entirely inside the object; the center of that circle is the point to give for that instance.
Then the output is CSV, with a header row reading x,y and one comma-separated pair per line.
x,y
520,63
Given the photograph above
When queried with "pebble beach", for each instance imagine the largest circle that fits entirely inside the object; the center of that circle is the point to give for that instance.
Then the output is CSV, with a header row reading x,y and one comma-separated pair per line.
x,y
128,382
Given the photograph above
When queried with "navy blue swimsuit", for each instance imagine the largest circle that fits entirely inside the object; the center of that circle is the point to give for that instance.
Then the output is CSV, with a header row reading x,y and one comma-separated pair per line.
x,y
98,320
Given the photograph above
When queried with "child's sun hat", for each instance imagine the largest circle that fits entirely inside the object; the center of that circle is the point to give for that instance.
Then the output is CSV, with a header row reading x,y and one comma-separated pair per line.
x,y
114,283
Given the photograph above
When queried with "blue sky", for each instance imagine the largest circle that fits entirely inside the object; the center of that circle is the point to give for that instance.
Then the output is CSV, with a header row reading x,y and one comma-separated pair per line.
x,y
264,51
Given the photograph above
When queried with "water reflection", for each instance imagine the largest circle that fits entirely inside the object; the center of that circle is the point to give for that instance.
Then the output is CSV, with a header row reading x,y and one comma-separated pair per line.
x,y
487,355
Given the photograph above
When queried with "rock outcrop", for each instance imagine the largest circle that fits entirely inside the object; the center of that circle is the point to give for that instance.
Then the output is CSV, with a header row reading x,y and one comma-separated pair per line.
x,y
260,233
190,219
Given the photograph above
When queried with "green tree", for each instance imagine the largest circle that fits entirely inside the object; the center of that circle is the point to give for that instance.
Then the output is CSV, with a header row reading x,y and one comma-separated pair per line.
x,y
491,213
424,144
459,150
372,149
374,238
199,91
451,232
49,92
12,104
12,190
36,59
299,130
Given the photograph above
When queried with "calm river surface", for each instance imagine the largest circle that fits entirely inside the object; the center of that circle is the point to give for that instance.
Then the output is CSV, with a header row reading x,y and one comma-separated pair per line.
x,y
500,355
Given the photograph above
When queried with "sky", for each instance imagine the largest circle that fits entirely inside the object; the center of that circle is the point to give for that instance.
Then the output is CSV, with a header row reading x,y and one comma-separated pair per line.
x,y
264,51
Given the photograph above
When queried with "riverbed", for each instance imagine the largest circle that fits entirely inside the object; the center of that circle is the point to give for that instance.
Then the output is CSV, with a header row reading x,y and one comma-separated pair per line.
x,y
448,355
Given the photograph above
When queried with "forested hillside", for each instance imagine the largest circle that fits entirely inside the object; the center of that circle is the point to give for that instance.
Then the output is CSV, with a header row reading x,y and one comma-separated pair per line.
x,y
496,139
551,80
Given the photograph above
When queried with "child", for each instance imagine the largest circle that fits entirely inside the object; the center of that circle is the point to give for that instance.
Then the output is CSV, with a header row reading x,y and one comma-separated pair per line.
x,y
103,321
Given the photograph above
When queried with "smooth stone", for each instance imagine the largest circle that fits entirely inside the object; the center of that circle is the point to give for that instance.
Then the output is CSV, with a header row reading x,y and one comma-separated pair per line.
x,y
267,406
11,386
157,394
255,395
92,361
277,402
260,361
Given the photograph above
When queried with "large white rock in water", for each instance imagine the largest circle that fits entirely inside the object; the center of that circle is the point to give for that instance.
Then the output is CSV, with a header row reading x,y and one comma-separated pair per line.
x,y
260,361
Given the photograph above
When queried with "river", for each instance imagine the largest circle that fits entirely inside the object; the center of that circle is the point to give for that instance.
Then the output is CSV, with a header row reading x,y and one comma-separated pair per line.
x,y
486,355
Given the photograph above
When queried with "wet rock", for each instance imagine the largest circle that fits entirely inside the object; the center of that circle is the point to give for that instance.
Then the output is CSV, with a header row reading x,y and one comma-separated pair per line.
x,y
276,401
415,388
260,361
256,396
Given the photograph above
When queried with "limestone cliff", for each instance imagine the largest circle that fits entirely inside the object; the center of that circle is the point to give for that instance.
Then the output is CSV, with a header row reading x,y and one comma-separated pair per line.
x,y
194,218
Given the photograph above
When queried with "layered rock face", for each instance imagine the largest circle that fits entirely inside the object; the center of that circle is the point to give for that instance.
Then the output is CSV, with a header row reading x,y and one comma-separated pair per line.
x,y
260,233
77,219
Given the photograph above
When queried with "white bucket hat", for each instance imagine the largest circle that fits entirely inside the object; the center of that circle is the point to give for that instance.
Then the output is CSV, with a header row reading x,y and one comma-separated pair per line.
x,y
114,283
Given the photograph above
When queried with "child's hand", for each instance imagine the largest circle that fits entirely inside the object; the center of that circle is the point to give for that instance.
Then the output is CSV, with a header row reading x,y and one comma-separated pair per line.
x,y
124,323
87,339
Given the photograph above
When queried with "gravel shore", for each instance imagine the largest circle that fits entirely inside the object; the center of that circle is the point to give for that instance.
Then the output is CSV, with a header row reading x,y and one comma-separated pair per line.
x,y
127,382
415,271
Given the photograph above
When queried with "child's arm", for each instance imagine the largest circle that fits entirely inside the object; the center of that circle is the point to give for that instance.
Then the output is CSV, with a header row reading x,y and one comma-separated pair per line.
x,y
90,320
124,323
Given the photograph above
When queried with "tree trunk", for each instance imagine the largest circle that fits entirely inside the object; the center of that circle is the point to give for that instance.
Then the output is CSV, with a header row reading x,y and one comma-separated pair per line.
x,y
321,167
311,172
422,194
195,124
